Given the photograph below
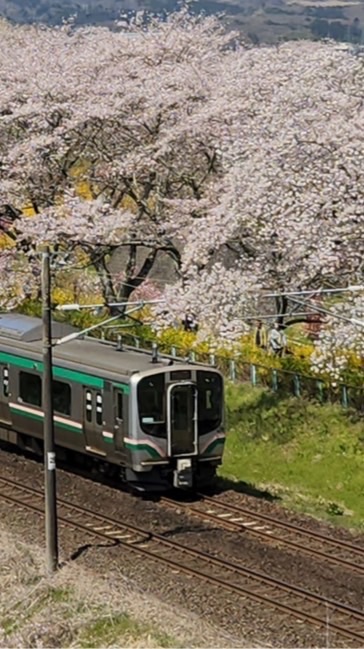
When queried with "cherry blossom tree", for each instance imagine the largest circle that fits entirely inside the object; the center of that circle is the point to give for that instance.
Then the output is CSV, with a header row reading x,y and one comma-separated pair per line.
x,y
341,339
290,206
98,128
243,165
220,308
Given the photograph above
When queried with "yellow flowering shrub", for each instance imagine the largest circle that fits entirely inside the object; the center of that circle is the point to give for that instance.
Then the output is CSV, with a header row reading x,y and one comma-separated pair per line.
x,y
28,210
184,341
5,241
243,351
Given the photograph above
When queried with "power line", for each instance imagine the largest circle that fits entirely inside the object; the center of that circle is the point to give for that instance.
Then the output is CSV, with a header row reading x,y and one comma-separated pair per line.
x,y
274,316
77,307
315,291
329,312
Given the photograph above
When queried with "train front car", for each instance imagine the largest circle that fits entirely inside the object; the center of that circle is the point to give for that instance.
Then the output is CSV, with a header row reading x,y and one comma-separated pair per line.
x,y
176,436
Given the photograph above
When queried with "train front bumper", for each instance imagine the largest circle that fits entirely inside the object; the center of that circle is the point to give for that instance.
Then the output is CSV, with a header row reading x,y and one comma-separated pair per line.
x,y
183,474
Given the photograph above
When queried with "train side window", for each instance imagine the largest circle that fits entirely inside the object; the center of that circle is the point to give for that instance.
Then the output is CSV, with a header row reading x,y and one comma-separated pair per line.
x,y
119,405
99,409
30,388
5,382
88,406
62,397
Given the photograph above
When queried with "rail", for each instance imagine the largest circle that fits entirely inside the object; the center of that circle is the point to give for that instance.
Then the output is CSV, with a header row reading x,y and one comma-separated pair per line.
x,y
273,530
345,621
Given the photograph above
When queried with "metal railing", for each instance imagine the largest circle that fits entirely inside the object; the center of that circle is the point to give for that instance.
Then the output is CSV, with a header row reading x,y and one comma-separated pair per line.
x,y
283,382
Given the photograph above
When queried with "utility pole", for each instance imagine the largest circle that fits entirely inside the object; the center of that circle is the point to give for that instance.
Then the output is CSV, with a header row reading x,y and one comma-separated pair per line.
x,y
48,425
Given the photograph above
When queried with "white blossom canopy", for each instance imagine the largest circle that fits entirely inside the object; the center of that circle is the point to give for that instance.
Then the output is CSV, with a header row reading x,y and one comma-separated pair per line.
x,y
244,165
342,337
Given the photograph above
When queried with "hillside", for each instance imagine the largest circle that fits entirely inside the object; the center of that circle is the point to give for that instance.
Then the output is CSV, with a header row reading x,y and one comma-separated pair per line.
x,y
308,455
262,21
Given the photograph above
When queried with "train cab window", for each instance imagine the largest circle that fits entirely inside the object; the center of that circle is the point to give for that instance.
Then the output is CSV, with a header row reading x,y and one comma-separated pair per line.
x,y
5,382
210,400
30,388
152,405
62,397
99,409
88,406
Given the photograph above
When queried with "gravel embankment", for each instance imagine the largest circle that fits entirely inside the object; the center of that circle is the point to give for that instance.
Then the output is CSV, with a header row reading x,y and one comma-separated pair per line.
x,y
239,621
79,607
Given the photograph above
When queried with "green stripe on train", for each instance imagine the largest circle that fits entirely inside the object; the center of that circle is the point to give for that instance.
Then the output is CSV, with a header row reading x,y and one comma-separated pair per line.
x,y
143,447
59,372
36,417
213,445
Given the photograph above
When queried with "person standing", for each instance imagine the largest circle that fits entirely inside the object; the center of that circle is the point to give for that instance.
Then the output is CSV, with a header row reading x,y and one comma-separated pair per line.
x,y
190,322
260,335
277,339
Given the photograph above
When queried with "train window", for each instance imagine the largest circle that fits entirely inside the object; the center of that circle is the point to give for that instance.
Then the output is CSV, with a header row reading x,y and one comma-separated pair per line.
x,y
99,409
151,405
62,397
119,405
88,406
180,375
5,382
30,388
210,400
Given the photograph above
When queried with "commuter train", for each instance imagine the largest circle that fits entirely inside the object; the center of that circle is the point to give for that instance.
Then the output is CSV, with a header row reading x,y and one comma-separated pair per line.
x,y
154,421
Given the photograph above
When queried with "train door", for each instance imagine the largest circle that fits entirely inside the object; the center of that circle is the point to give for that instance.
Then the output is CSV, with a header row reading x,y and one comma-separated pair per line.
x,y
4,395
182,419
92,419
119,418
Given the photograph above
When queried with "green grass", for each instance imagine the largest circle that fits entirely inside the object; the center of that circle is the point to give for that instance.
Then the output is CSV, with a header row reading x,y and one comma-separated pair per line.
x,y
57,595
310,456
107,628
10,624
112,630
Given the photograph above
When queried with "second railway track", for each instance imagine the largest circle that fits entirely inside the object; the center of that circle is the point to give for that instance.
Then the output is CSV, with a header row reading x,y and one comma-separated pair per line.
x,y
276,531
345,621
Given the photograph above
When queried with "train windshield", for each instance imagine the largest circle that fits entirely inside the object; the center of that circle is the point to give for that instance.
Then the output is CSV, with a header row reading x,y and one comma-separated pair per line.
x,y
152,405
210,400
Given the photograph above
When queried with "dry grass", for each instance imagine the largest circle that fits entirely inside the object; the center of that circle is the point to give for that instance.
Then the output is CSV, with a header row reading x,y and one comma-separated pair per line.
x,y
78,609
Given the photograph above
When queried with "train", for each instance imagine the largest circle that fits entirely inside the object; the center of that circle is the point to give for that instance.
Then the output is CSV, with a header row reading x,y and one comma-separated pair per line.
x,y
154,422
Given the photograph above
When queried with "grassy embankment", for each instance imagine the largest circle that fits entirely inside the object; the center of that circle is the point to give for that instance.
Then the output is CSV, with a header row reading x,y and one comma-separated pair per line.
x,y
72,609
80,607
310,456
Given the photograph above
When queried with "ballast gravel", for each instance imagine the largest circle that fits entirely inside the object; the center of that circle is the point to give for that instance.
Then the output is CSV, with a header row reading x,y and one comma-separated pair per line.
x,y
234,620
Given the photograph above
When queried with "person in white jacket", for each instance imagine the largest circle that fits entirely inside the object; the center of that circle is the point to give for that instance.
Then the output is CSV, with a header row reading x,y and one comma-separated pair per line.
x,y
277,339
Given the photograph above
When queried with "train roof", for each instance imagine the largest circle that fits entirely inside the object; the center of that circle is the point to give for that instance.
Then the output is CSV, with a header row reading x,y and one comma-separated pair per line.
x,y
18,326
22,334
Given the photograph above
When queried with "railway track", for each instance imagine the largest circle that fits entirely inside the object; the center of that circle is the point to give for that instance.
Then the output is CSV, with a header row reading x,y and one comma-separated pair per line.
x,y
345,621
272,530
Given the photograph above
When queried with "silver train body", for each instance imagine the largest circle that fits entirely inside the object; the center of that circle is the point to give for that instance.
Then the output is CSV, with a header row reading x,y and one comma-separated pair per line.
x,y
156,422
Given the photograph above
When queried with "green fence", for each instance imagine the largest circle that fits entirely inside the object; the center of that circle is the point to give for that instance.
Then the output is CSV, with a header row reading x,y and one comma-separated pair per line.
x,y
282,382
